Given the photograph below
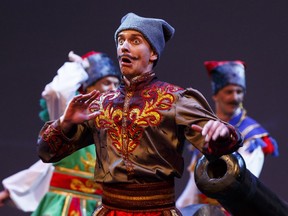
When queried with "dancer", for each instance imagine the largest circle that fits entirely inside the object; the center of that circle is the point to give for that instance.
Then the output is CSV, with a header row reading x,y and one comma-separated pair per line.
x,y
66,186
229,88
139,130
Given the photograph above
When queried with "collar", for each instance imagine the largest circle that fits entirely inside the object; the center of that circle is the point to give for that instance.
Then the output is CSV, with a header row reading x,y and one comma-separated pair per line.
x,y
139,80
238,117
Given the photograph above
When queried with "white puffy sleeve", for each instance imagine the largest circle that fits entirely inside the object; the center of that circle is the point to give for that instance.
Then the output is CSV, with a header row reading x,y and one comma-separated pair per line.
x,y
28,186
63,87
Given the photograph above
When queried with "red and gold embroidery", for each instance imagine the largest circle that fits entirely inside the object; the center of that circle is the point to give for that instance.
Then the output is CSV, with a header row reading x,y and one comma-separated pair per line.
x,y
88,163
87,186
51,136
155,99
74,183
125,125
108,116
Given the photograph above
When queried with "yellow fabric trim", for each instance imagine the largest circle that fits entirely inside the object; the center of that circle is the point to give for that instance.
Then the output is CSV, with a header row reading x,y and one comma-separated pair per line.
x,y
74,172
137,198
66,204
250,128
242,118
81,196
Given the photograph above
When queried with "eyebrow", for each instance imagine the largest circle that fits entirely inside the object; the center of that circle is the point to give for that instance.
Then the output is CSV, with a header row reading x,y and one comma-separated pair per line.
x,y
133,34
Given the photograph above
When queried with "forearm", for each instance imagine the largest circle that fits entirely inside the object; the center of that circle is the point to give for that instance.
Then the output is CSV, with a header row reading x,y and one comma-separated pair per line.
x,y
53,145
193,110
51,142
67,128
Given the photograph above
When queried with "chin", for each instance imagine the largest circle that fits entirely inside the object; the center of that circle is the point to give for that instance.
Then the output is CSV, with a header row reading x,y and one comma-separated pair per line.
x,y
233,112
125,71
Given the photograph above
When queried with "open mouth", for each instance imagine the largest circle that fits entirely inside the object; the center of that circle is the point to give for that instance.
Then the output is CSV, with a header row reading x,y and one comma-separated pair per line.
x,y
125,59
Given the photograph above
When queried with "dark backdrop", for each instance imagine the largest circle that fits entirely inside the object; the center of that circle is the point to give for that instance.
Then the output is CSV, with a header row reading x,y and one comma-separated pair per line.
x,y
36,37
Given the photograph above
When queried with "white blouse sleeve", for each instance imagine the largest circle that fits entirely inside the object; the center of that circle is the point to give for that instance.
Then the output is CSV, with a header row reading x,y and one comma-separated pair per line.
x,y
63,87
28,186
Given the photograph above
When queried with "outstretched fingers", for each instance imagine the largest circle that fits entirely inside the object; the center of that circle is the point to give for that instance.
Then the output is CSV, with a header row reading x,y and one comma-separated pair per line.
x,y
86,99
218,129
208,130
214,129
91,96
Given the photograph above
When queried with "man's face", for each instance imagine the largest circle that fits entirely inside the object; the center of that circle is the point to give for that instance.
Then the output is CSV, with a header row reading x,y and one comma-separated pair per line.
x,y
134,53
104,84
228,99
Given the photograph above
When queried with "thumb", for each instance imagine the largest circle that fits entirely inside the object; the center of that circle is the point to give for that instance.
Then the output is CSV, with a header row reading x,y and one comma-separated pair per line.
x,y
196,128
74,57
93,115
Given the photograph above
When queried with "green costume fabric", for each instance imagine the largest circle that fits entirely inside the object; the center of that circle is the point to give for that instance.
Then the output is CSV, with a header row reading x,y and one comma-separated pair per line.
x,y
78,195
75,197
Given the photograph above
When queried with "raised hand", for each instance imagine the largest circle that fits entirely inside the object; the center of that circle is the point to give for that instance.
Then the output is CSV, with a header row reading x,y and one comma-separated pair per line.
x,y
220,139
77,110
76,58
4,196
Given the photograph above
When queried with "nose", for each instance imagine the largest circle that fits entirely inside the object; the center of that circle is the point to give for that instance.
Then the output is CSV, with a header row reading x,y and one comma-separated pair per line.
x,y
124,45
112,86
235,95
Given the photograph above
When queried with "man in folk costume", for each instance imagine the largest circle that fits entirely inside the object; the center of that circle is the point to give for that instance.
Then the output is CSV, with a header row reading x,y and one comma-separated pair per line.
x,y
139,130
229,88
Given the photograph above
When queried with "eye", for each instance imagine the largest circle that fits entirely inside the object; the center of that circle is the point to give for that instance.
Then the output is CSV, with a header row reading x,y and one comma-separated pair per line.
x,y
136,41
228,92
106,83
120,41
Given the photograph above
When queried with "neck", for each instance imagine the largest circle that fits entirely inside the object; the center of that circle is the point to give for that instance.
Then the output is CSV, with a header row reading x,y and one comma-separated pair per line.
x,y
227,116
223,116
128,79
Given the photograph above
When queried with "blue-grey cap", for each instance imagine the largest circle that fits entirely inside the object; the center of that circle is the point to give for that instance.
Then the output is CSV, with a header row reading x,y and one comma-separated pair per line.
x,y
223,73
100,66
156,31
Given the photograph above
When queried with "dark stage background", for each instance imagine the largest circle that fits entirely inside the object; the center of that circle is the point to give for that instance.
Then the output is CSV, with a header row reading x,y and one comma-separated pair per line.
x,y
36,37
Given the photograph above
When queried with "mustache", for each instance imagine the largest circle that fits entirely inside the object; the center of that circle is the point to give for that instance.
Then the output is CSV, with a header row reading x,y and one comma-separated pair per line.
x,y
127,56
235,103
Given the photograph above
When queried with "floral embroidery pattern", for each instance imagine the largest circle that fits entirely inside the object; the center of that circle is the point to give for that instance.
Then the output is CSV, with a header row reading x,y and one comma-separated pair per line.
x,y
51,137
87,186
147,112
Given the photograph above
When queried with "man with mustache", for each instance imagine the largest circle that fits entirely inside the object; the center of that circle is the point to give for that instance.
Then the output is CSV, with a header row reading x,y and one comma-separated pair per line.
x,y
229,88
139,130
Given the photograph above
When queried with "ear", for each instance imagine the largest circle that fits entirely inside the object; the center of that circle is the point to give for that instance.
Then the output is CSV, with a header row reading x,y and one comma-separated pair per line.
x,y
214,97
153,56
